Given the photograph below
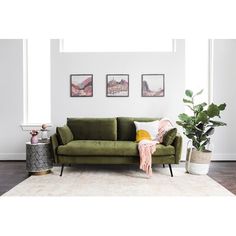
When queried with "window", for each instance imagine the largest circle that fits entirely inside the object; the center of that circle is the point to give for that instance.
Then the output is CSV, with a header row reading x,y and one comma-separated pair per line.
x,y
36,58
197,66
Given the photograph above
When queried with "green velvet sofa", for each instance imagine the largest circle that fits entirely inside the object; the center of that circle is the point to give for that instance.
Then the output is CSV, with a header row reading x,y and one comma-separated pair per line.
x,y
108,141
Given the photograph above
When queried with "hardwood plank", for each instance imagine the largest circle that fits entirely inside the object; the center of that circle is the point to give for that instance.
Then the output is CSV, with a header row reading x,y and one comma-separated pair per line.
x,y
11,174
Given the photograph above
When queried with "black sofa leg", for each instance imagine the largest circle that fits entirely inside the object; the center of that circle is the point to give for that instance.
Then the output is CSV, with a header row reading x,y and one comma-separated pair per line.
x,y
164,166
171,173
62,168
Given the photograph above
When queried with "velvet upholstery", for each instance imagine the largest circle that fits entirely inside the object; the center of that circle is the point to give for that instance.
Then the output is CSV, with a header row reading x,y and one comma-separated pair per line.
x,y
108,148
54,145
169,137
113,160
100,144
178,142
93,128
64,135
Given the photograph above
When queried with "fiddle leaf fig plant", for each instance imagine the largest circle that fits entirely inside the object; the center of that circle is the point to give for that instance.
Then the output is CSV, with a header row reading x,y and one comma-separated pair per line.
x,y
201,124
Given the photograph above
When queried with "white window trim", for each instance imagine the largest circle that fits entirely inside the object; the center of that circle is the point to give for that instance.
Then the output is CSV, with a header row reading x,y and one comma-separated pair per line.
x,y
28,127
25,81
210,70
62,49
174,46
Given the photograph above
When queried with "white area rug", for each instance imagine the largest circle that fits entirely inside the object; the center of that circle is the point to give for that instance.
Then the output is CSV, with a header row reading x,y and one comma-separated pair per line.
x,y
123,181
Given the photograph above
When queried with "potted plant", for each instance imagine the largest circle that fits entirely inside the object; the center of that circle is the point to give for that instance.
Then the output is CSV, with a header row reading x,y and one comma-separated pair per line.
x,y
198,127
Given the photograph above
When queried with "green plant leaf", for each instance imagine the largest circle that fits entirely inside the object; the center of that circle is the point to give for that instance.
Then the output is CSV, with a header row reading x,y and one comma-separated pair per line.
x,y
217,123
202,117
213,110
190,136
190,107
179,123
210,131
196,141
198,93
198,129
189,132
200,126
184,117
222,106
198,108
200,105
188,93
203,144
187,101
204,137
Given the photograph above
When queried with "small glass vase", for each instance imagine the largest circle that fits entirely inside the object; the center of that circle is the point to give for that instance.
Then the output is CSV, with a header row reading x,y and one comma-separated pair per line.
x,y
44,134
34,139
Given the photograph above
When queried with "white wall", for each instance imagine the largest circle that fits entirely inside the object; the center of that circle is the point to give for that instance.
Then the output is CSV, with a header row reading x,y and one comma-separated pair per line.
x,y
12,138
224,85
100,64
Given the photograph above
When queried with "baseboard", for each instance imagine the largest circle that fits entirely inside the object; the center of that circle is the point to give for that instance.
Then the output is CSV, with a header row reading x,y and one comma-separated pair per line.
x,y
12,156
224,157
217,156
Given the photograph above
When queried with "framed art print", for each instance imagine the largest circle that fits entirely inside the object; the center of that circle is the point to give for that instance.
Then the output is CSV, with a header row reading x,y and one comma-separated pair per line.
x,y
81,85
153,85
117,85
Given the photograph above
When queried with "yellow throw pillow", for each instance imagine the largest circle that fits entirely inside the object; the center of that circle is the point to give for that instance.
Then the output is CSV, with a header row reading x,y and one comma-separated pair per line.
x,y
146,130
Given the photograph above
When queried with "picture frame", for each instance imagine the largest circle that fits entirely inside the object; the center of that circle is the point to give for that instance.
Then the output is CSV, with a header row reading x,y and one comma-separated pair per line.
x,y
117,85
153,85
81,85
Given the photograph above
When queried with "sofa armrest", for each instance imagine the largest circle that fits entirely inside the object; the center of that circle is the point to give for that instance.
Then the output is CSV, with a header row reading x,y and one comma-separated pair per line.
x,y
178,147
54,145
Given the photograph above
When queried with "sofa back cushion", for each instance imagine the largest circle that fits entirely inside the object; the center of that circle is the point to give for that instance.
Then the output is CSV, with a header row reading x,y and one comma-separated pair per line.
x,y
93,128
127,129
169,136
64,135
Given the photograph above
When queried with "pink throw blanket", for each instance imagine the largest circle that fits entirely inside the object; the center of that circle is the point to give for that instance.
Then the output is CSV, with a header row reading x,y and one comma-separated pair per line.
x,y
147,148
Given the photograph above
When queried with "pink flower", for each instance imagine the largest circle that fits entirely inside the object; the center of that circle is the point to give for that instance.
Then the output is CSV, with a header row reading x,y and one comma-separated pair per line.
x,y
34,132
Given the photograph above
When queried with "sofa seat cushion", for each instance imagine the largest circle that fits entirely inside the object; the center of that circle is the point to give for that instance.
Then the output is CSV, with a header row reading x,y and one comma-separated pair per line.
x,y
108,148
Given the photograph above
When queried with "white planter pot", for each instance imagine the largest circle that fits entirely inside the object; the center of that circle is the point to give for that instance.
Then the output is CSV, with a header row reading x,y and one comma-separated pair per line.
x,y
198,162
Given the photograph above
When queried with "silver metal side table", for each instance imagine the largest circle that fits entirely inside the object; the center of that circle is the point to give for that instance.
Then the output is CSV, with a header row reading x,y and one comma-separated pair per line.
x,y
38,158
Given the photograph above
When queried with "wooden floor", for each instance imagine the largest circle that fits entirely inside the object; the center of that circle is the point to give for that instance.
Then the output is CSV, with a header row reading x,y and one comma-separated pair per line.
x,y
225,174
13,172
